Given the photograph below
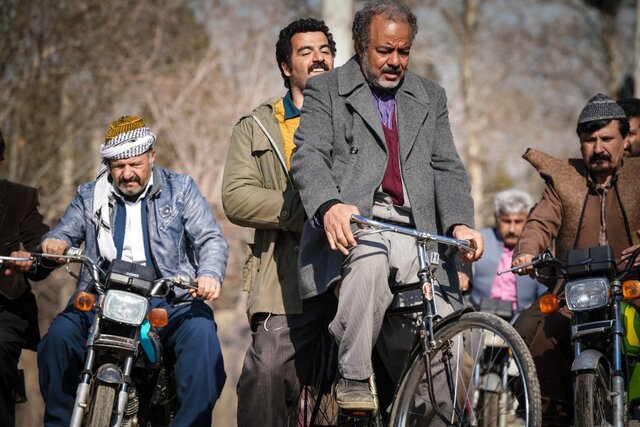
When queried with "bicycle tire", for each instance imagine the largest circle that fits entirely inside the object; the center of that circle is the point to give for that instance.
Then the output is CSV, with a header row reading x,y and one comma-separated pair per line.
x,y
317,404
462,399
318,407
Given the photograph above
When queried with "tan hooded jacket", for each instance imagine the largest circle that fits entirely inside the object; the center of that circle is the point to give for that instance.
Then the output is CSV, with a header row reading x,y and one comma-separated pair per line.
x,y
257,192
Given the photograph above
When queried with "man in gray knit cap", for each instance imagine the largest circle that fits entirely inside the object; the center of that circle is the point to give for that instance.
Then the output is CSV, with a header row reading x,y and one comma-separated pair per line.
x,y
593,201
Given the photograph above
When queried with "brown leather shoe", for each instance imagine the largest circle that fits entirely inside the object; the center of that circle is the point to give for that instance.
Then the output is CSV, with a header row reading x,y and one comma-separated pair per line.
x,y
354,395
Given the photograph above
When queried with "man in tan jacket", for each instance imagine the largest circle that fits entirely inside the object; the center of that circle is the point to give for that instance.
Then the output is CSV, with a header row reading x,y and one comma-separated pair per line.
x,y
257,192
593,201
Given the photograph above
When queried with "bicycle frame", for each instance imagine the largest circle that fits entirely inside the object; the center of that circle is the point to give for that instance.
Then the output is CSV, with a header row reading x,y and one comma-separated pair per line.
x,y
426,278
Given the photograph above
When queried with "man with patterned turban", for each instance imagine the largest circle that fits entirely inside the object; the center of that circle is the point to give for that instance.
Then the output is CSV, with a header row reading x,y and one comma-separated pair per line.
x,y
593,201
148,215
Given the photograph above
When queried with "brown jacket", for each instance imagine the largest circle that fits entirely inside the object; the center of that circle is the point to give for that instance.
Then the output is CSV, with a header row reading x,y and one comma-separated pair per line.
x,y
257,192
569,210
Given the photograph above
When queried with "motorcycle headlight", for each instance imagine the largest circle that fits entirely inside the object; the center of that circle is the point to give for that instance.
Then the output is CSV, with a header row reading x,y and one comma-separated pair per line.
x,y
586,294
124,307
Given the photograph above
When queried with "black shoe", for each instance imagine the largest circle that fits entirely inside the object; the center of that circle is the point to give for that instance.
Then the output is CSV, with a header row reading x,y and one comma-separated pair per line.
x,y
354,395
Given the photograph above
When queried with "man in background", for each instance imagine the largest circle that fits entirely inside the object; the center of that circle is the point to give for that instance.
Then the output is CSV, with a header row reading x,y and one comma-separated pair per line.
x,y
631,107
257,192
510,208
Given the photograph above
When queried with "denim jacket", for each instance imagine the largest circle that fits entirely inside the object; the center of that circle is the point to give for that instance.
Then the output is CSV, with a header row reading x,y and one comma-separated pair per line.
x,y
184,236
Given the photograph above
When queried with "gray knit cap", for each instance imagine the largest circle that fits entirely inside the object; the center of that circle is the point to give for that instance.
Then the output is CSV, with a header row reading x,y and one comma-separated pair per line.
x,y
601,107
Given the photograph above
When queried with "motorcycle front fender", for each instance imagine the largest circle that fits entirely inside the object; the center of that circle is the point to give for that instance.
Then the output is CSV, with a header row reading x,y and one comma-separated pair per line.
x,y
110,374
589,360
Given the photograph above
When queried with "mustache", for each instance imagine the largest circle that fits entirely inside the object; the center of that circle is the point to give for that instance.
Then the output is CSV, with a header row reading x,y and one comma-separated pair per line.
x,y
318,64
390,69
135,178
598,157
511,234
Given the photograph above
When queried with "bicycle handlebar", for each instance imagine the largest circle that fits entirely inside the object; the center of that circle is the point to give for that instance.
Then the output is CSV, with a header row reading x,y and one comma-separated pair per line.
x,y
418,234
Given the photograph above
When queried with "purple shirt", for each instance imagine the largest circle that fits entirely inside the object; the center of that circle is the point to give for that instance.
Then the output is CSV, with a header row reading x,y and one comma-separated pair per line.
x,y
386,106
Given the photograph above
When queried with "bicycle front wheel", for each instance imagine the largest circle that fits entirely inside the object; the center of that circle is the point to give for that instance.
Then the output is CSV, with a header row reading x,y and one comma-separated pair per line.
x,y
481,372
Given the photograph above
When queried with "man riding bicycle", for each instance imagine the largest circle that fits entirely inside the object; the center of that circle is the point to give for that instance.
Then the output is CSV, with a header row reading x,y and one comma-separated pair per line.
x,y
375,139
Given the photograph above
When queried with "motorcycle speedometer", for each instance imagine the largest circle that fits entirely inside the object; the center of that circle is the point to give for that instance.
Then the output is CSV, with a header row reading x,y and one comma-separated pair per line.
x,y
587,293
124,307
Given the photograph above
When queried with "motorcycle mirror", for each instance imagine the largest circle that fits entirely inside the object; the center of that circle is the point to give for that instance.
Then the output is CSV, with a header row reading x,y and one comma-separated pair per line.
x,y
631,289
548,304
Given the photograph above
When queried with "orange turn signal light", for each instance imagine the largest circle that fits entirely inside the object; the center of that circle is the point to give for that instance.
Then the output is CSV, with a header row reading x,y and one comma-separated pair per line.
x,y
631,289
158,317
84,301
549,304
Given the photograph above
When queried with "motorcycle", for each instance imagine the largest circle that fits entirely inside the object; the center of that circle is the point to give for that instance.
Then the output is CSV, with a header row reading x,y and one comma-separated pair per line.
x,y
604,333
126,381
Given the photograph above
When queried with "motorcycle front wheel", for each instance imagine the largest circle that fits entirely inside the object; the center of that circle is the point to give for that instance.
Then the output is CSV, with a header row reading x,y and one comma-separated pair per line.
x,y
101,405
592,401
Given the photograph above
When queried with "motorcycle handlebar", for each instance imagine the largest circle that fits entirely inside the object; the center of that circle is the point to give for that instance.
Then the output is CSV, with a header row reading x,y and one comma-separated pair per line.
x,y
76,255
540,260
546,259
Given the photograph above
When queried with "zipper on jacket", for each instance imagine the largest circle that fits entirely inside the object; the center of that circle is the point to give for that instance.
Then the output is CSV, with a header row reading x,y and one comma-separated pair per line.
x,y
275,148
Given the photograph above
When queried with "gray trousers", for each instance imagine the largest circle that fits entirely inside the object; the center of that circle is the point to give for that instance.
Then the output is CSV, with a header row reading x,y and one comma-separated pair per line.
x,y
365,296
279,361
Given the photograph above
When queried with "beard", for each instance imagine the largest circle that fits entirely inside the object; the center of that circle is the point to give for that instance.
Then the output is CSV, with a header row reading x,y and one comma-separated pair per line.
x,y
376,80
123,186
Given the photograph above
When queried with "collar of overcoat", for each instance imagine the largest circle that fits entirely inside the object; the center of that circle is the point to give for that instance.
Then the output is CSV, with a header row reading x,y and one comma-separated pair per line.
x,y
412,104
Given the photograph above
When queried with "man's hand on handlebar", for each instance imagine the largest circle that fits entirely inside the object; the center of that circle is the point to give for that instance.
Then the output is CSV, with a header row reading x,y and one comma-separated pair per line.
x,y
627,252
18,266
337,227
462,232
524,260
208,288
55,247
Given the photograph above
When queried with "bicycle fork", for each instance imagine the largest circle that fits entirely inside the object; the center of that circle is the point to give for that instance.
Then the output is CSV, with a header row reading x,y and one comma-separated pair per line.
x,y
426,260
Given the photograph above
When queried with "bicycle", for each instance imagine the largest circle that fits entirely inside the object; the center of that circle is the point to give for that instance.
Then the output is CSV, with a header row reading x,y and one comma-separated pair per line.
x,y
453,363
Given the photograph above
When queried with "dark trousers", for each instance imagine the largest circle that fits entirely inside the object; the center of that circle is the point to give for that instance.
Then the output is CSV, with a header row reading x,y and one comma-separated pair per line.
x,y
18,330
548,337
190,337
279,361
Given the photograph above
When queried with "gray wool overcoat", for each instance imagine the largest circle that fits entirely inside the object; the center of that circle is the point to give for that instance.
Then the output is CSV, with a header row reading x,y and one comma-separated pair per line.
x,y
341,154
